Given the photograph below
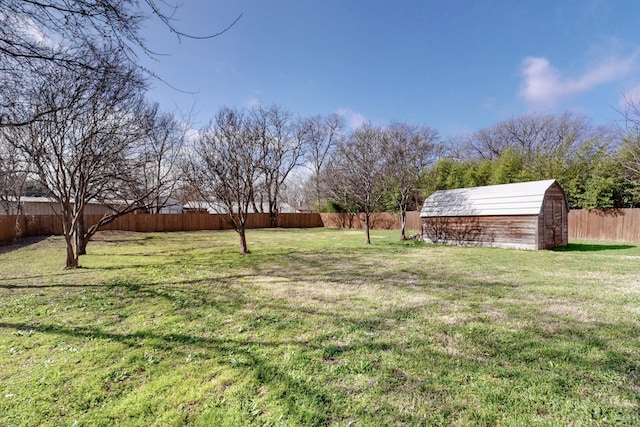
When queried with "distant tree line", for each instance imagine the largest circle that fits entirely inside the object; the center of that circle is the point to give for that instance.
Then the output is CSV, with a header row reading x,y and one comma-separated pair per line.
x,y
596,166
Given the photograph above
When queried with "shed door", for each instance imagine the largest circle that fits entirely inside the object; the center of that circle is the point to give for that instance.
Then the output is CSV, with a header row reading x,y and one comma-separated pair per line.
x,y
553,220
558,217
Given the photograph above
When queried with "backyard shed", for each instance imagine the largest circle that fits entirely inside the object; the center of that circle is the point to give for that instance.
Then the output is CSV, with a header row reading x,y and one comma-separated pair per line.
x,y
527,215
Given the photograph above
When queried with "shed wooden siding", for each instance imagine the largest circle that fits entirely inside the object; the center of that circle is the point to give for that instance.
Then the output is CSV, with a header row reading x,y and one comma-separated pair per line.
x,y
501,231
529,215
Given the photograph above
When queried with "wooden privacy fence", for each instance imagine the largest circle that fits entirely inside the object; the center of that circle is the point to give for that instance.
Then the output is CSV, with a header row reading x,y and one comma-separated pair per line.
x,y
10,225
613,225
379,220
51,225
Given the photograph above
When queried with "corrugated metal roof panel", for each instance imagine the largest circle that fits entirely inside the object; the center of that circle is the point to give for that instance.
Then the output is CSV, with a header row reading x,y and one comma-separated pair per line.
x,y
523,198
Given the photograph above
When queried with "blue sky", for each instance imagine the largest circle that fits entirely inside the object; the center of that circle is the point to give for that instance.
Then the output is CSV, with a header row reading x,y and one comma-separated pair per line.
x,y
456,66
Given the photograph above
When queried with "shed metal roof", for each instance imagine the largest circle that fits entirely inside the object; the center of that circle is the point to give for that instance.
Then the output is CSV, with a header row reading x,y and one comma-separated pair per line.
x,y
524,198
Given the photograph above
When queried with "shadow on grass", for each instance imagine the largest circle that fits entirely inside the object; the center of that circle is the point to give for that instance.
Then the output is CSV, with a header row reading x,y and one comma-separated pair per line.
x,y
67,273
556,350
592,247
50,285
310,400
20,243
561,356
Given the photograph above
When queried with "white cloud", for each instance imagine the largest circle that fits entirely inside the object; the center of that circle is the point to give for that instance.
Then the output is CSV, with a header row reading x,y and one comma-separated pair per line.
x,y
191,134
35,34
544,85
253,103
353,119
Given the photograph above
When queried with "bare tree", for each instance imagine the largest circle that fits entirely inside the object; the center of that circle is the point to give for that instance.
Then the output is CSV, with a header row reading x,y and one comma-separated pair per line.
x,y
156,171
60,32
533,136
86,146
323,136
486,144
283,147
13,177
14,171
629,153
145,173
56,30
356,174
409,150
225,167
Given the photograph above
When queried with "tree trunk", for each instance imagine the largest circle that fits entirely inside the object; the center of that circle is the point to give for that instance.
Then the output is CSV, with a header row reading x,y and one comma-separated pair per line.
x,y
72,257
403,220
243,243
17,228
273,216
18,225
367,238
82,245
81,241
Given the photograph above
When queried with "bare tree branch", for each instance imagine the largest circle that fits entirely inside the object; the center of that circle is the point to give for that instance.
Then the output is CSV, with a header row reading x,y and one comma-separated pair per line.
x,y
409,150
90,145
355,175
224,167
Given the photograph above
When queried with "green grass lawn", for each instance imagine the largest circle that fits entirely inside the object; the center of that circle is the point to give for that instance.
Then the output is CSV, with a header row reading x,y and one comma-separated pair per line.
x,y
315,328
